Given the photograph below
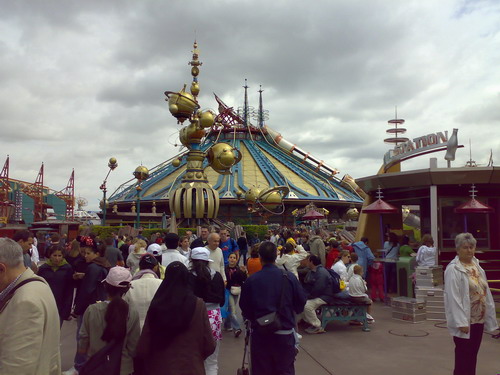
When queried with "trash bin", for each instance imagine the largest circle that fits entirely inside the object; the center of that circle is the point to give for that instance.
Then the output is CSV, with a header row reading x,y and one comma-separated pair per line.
x,y
405,267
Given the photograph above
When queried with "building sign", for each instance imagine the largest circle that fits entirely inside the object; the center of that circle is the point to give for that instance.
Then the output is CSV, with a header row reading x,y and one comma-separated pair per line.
x,y
418,146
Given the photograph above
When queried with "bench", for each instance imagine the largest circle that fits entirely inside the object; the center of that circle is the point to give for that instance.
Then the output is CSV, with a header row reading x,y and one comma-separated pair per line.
x,y
344,311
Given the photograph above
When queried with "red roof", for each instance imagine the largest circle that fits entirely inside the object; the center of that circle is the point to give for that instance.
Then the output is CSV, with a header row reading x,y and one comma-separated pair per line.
x,y
474,207
380,207
312,215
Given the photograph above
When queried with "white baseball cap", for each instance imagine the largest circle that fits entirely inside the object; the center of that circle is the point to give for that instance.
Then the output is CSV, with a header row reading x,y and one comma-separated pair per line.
x,y
201,253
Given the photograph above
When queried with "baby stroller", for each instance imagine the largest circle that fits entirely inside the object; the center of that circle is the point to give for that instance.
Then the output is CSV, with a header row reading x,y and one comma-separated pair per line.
x,y
245,365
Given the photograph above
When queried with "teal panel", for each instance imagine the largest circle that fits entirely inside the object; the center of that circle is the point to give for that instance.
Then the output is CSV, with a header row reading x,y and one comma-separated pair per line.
x,y
28,208
58,205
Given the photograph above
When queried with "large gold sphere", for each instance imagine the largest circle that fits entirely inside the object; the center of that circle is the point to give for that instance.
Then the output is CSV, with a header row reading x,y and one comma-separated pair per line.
x,y
222,157
252,194
206,119
195,89
141,173
270,198
181,104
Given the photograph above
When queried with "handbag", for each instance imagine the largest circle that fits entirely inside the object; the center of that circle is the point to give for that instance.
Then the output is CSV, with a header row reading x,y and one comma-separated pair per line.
x,y
106,361
235,290
271,322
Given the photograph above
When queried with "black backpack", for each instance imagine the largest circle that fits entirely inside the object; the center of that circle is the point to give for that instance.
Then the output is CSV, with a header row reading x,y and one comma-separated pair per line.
x,y
106,361
335,280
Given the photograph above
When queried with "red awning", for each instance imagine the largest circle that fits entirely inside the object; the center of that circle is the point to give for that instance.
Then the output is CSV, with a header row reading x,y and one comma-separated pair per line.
x,y
473,207
312,215
380,207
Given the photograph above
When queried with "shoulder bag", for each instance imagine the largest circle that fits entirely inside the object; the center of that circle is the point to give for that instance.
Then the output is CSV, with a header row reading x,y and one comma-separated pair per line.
x,y
271,322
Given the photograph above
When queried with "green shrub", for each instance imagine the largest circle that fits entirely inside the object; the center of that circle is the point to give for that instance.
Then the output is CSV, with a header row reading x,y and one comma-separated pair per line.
x,y
251,230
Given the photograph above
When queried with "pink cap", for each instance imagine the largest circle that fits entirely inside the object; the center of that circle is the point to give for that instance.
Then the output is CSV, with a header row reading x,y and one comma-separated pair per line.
x,y
119,277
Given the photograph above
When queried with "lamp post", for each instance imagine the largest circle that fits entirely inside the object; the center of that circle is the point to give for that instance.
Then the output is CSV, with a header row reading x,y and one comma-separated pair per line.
x,y
141,173
112,164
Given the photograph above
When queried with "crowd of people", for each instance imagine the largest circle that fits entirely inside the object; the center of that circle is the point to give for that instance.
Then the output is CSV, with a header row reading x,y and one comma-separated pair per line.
x,y
138,301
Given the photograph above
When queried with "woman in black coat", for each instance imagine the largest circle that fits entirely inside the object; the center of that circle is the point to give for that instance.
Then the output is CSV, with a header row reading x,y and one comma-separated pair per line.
x,y
59,275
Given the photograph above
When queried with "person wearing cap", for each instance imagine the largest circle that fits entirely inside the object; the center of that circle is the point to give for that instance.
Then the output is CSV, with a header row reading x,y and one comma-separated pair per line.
x,y
157,252
208,285
145,283
172,254
112,320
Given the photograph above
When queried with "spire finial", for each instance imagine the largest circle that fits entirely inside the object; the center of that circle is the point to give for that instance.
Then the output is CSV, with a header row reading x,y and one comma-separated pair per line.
x,y
195,70
261,108
245,105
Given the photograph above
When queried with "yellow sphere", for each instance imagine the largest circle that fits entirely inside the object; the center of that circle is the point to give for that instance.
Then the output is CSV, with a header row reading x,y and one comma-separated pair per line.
x,y
176,162
112,160
195,71
195,89
270,199
352,213
221,157
206,119
181,104
141,173
252,194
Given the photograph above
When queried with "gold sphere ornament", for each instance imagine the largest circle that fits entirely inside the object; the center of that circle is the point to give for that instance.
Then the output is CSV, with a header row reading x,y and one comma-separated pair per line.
x,y
207,119
252,194
141,173
182,105
176,162
195,71
270,199
113,163
222,157
195,89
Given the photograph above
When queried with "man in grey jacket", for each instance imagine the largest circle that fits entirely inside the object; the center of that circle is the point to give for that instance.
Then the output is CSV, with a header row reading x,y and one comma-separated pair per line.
x,y
317,246
319,290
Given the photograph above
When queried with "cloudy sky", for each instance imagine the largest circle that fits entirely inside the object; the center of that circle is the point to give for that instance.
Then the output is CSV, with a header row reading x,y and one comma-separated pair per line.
x,y
81,81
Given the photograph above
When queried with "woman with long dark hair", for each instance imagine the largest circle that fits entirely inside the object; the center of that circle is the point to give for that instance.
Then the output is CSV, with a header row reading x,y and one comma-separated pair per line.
x,y
208,285
112,321
176,337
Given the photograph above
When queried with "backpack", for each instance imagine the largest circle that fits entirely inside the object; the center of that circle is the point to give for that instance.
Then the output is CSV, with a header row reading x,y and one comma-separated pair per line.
x,y
336,287
106,361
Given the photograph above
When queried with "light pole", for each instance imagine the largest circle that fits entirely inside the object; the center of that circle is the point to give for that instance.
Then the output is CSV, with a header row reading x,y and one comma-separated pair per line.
x,y
141,173
112,164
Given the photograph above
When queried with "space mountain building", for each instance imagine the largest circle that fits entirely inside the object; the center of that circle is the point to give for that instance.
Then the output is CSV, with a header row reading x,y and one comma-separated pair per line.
x,y
231,170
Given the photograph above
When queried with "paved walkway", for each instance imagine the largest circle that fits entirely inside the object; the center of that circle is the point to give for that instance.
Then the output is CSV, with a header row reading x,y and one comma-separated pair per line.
x,y
392,347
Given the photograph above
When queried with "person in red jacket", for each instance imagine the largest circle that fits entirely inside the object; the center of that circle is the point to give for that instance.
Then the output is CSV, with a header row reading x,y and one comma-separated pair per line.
x,y
333,254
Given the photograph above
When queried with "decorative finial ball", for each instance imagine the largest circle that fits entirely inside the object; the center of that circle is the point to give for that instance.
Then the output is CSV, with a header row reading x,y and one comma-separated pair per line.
x,y
113,163
238,193
195,71
141,173
176,162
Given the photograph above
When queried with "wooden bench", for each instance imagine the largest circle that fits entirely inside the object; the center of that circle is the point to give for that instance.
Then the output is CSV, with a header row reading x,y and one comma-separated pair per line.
x,y
344,311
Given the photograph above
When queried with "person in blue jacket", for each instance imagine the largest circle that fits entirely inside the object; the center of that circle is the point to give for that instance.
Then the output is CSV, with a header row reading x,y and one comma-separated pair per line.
x,y
272,352
365,255
59,275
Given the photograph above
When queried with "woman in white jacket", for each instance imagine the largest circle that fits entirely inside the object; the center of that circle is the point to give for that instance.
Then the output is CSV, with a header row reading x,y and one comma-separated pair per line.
x,y
469,304
290,259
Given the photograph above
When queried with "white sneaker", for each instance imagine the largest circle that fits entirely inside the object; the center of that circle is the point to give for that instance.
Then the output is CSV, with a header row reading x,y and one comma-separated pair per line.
x,y
71,371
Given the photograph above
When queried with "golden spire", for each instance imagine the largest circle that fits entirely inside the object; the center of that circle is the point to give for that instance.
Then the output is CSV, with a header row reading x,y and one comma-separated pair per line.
x,y
195,63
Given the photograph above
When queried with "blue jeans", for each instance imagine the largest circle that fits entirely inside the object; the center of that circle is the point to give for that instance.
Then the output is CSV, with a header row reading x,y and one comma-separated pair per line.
x,y
232,319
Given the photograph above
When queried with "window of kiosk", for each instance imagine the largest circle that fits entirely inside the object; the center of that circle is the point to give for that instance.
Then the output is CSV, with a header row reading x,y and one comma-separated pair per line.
x,y
453,224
